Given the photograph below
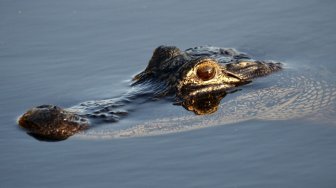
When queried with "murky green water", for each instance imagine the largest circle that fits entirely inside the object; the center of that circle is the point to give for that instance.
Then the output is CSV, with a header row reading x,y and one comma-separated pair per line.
x,y
66,52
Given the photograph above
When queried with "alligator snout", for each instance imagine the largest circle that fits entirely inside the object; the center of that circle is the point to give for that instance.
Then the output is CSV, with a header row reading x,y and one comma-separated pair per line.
x,y
49,122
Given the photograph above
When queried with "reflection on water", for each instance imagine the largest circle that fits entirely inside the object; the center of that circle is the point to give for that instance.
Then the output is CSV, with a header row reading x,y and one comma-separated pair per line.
x,y
204,103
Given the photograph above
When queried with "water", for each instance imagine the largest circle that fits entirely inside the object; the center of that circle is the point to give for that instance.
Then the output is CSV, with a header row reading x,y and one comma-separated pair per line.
x,y
66,52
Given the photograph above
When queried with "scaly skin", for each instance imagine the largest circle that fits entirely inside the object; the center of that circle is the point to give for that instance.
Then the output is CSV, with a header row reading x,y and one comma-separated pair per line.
x,y
197,78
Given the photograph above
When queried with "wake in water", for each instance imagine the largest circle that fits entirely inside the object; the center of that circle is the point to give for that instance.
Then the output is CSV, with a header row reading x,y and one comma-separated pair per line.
x,y
292,95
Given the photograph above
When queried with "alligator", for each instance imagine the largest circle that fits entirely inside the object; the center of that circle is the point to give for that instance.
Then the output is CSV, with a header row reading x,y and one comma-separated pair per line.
x,y
196,78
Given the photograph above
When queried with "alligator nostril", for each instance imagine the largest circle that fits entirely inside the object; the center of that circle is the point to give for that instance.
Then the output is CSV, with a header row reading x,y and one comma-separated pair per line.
x,y
46,106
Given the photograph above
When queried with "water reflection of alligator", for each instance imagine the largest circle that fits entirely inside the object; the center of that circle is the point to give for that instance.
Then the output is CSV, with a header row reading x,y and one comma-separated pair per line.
x,y
197,78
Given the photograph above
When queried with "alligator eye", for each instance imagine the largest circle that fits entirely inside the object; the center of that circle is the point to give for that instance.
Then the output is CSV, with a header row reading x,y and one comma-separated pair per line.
x,y
206,72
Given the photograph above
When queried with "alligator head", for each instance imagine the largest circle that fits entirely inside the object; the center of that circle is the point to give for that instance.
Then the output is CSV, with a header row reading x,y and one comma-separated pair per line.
x,y
198,78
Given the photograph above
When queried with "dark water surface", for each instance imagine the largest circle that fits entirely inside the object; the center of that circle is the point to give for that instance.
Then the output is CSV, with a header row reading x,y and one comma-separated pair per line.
x,y
66,52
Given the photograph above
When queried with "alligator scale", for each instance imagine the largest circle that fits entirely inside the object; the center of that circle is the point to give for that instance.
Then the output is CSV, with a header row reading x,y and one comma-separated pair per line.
x,y
197,79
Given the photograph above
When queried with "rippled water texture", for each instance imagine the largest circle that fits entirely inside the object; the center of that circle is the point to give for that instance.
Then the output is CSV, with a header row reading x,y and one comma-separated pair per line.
x,y
67,52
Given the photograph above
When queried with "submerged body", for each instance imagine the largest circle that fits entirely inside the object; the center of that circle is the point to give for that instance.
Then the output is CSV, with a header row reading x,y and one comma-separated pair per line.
x,y
197,78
